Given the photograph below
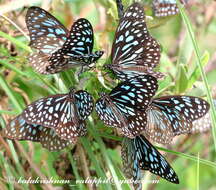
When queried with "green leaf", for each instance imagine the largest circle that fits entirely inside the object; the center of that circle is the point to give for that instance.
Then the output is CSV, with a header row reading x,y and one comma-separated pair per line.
x,y
196,74
181,79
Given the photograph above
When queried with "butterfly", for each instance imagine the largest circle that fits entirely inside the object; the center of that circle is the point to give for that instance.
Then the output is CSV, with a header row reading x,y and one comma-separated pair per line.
x,y
134,51
19,129
139,154
163,8
65,114
169,116
124,107
57,48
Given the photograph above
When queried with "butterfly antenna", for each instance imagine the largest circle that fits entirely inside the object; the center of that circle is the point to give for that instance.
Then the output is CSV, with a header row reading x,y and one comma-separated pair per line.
x,y
120,8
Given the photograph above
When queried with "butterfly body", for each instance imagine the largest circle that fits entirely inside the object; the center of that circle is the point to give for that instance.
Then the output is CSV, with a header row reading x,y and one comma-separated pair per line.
x,y
134,51
57,48
126,72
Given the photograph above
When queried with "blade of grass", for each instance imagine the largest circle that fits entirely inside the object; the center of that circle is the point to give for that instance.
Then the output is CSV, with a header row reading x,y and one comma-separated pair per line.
x,y
8,171
8,112
15,41
75,170
13,68
96,136
52,89
15,25
189,157
198,169
18,165
98,169
199,63
10,93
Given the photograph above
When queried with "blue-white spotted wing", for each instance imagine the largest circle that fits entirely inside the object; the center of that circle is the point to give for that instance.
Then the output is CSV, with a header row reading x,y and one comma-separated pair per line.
x,y
130,163
58,48
18,129
142,155
46,33
169,116
163,8
134,52
125,107
66,113
79,44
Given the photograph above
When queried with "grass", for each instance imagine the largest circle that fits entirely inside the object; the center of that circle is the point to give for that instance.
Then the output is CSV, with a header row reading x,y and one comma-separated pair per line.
x,y
192,159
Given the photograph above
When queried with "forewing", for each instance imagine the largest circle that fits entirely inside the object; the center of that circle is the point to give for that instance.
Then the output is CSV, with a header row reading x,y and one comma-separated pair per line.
x,y
203,124
47,34
150,159
107,114
135,93
133,45
48,112
131,98
81,39
84,103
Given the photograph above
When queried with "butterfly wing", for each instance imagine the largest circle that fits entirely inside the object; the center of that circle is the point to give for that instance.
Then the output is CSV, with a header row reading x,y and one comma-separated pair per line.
x,y
58,112
132,98
126,105
158,128
130,163
81,39
202,125
134,51
68,129
44,64
106,113
47,111
51,141
18,129
169,116
150,159
47,34
164,8
84,103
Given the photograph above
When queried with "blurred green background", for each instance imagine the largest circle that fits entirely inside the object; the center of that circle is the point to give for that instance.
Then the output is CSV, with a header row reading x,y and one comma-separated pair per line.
x,y
98,154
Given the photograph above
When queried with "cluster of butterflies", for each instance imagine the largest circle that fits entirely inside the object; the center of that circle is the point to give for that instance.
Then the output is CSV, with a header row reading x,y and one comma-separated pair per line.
x,y
58,120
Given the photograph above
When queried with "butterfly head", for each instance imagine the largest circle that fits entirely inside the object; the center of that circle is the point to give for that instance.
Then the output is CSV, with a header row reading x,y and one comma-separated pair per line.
x,y
102,94
96,55
99,53
71,92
